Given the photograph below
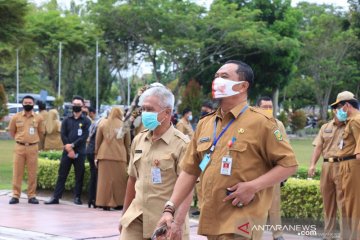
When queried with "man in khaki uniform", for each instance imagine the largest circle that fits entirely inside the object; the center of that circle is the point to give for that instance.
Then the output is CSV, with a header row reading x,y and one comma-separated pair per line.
x,y
26,127
347,110
239,153
327,144
184,124
153,169
266,104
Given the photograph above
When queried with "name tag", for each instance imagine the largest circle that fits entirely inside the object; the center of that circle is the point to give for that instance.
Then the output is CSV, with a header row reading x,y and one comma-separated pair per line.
x,y
341,144
31,131
79,132
204,162
226,164
156,175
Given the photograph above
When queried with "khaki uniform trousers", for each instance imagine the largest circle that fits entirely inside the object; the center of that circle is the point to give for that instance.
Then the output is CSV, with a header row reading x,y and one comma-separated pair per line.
x,y
350,208
25,156
275,211
330,189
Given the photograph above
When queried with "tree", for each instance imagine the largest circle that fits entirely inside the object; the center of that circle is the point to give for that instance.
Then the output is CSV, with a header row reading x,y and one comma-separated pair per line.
x,y
3,101
192,98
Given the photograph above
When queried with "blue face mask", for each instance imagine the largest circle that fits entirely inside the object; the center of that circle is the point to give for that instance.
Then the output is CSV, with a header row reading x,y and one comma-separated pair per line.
x,y
149,119
190,117
341,115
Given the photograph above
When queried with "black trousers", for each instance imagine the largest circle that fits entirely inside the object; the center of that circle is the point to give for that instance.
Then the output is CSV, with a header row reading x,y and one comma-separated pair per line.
x,y
93,177
64,169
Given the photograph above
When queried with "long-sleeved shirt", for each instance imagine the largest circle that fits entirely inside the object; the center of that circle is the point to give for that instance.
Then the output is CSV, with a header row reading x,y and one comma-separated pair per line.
x,y
75,131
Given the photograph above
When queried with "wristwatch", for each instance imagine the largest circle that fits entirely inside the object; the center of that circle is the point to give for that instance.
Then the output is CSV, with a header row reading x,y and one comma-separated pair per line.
x,y
170,203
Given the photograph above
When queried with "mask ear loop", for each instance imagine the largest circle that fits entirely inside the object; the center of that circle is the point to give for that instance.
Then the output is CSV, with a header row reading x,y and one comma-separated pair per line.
x,y
164,117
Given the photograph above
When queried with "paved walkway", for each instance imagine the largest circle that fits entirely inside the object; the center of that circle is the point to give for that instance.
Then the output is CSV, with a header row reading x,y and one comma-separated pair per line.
x,y
67,221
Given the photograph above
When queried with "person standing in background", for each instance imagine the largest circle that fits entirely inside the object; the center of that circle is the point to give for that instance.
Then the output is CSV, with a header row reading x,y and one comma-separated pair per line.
x,y
53,131
26,127
184,124
112,156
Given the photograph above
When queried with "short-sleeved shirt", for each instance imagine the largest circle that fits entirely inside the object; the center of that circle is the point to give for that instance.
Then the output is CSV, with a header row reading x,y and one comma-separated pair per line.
x,y
258,147
164,154
185,128
351,137
329,138
21,125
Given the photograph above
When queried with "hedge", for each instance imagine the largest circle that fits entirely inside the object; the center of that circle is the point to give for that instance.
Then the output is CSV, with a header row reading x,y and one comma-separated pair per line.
x,y
51,155
48,174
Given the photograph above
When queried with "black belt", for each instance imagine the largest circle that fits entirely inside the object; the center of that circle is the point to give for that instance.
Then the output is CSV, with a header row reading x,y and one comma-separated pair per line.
x,y
339,159
26,144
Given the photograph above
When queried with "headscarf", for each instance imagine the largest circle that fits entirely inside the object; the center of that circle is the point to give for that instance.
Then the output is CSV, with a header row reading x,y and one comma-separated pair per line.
x,y
113,123
52,121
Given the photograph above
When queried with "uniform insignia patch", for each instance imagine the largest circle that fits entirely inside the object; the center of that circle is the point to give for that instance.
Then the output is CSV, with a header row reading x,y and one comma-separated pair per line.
x,y
204,139
278,135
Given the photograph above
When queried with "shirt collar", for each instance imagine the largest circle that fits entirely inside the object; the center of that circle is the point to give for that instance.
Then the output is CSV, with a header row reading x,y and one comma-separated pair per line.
x,y
234,111
166,137
23,113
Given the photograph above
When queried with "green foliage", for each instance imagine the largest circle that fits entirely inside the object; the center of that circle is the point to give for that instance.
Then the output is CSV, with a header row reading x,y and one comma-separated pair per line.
x,y
192,98
48,174
298,120
283,117
302,199
50,155
3,101
302,173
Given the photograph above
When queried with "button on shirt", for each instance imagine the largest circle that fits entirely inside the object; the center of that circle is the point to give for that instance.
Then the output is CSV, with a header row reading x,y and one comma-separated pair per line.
x,y
329,138
258,147
166,154
70,133
20,124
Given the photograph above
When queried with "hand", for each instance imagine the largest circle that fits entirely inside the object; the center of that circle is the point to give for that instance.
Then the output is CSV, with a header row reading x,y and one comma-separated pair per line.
x,y
120,227
71,154
68,147
96,163
175,232
244,192
311,171
166,218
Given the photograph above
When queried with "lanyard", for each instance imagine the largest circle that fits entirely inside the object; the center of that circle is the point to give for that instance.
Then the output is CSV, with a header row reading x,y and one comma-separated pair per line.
x,y
216,139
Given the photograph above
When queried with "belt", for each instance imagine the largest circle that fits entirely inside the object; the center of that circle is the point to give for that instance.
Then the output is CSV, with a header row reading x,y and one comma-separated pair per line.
x,y
339,159
26,144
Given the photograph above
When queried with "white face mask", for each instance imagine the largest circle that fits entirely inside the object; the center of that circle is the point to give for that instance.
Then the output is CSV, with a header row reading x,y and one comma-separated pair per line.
x,y
222,88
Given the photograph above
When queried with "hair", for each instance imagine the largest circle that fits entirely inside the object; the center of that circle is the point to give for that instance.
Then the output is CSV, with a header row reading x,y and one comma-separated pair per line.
x,y
42,105
185,111
264,98
354,103
244,71
92,109
28,97
165,96
52,121
207,104
78,98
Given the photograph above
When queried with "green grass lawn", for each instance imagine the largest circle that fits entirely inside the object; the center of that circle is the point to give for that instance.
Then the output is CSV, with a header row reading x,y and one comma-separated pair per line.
x,y
303,150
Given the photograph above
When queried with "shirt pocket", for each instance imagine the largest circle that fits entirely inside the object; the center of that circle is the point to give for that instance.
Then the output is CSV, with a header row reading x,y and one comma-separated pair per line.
x,y
19,126
166,163
137,158
237,153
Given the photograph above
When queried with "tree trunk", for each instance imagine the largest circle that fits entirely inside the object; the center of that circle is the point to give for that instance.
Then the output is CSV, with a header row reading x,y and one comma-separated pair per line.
x,y
275,99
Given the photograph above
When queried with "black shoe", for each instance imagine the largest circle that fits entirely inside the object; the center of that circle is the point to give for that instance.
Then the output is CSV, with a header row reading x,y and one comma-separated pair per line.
x,y
118,208
106,208
92,203
279,238
33,201
52,201
14,200
77,201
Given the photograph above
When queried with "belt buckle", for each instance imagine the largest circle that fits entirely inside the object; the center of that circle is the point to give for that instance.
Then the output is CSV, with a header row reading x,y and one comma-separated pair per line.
x,y
331,159
26,144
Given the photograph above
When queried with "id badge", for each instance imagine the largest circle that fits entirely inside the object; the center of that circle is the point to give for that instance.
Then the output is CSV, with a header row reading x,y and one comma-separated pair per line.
x,y
204,162
156,175
226,164
341,144
31,131
79,132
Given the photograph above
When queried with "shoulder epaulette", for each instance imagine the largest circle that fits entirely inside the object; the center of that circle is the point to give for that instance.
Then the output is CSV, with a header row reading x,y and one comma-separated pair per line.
x,y
261,111
182,136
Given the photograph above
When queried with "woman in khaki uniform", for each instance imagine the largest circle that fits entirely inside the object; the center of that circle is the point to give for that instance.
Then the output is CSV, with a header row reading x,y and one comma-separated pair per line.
x,y
112,155
52,132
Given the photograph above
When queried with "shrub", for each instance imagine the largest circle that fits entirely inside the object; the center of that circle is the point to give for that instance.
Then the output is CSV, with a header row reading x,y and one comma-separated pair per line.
x,y
302,199
298,120
3,101
51,155
302,173
284,118
48,174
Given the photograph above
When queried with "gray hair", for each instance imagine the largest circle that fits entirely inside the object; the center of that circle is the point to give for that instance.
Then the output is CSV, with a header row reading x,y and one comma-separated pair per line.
x,y
165,96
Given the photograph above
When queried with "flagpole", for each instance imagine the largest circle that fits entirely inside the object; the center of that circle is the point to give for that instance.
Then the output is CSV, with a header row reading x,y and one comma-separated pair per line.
x,y
59,87
17,79
97,76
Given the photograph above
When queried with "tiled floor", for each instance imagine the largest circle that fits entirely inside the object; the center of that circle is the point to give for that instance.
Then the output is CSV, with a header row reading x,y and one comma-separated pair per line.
x,y
67,221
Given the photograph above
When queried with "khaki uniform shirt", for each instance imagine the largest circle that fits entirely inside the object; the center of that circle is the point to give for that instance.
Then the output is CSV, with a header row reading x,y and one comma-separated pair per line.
x,y
259,146
185,128
21,125
329,138
165,153
351,137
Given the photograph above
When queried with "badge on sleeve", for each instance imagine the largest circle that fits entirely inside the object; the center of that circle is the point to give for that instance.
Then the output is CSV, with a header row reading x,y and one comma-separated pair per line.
x,y
31,130
226,164
278,135
156,175
205,161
